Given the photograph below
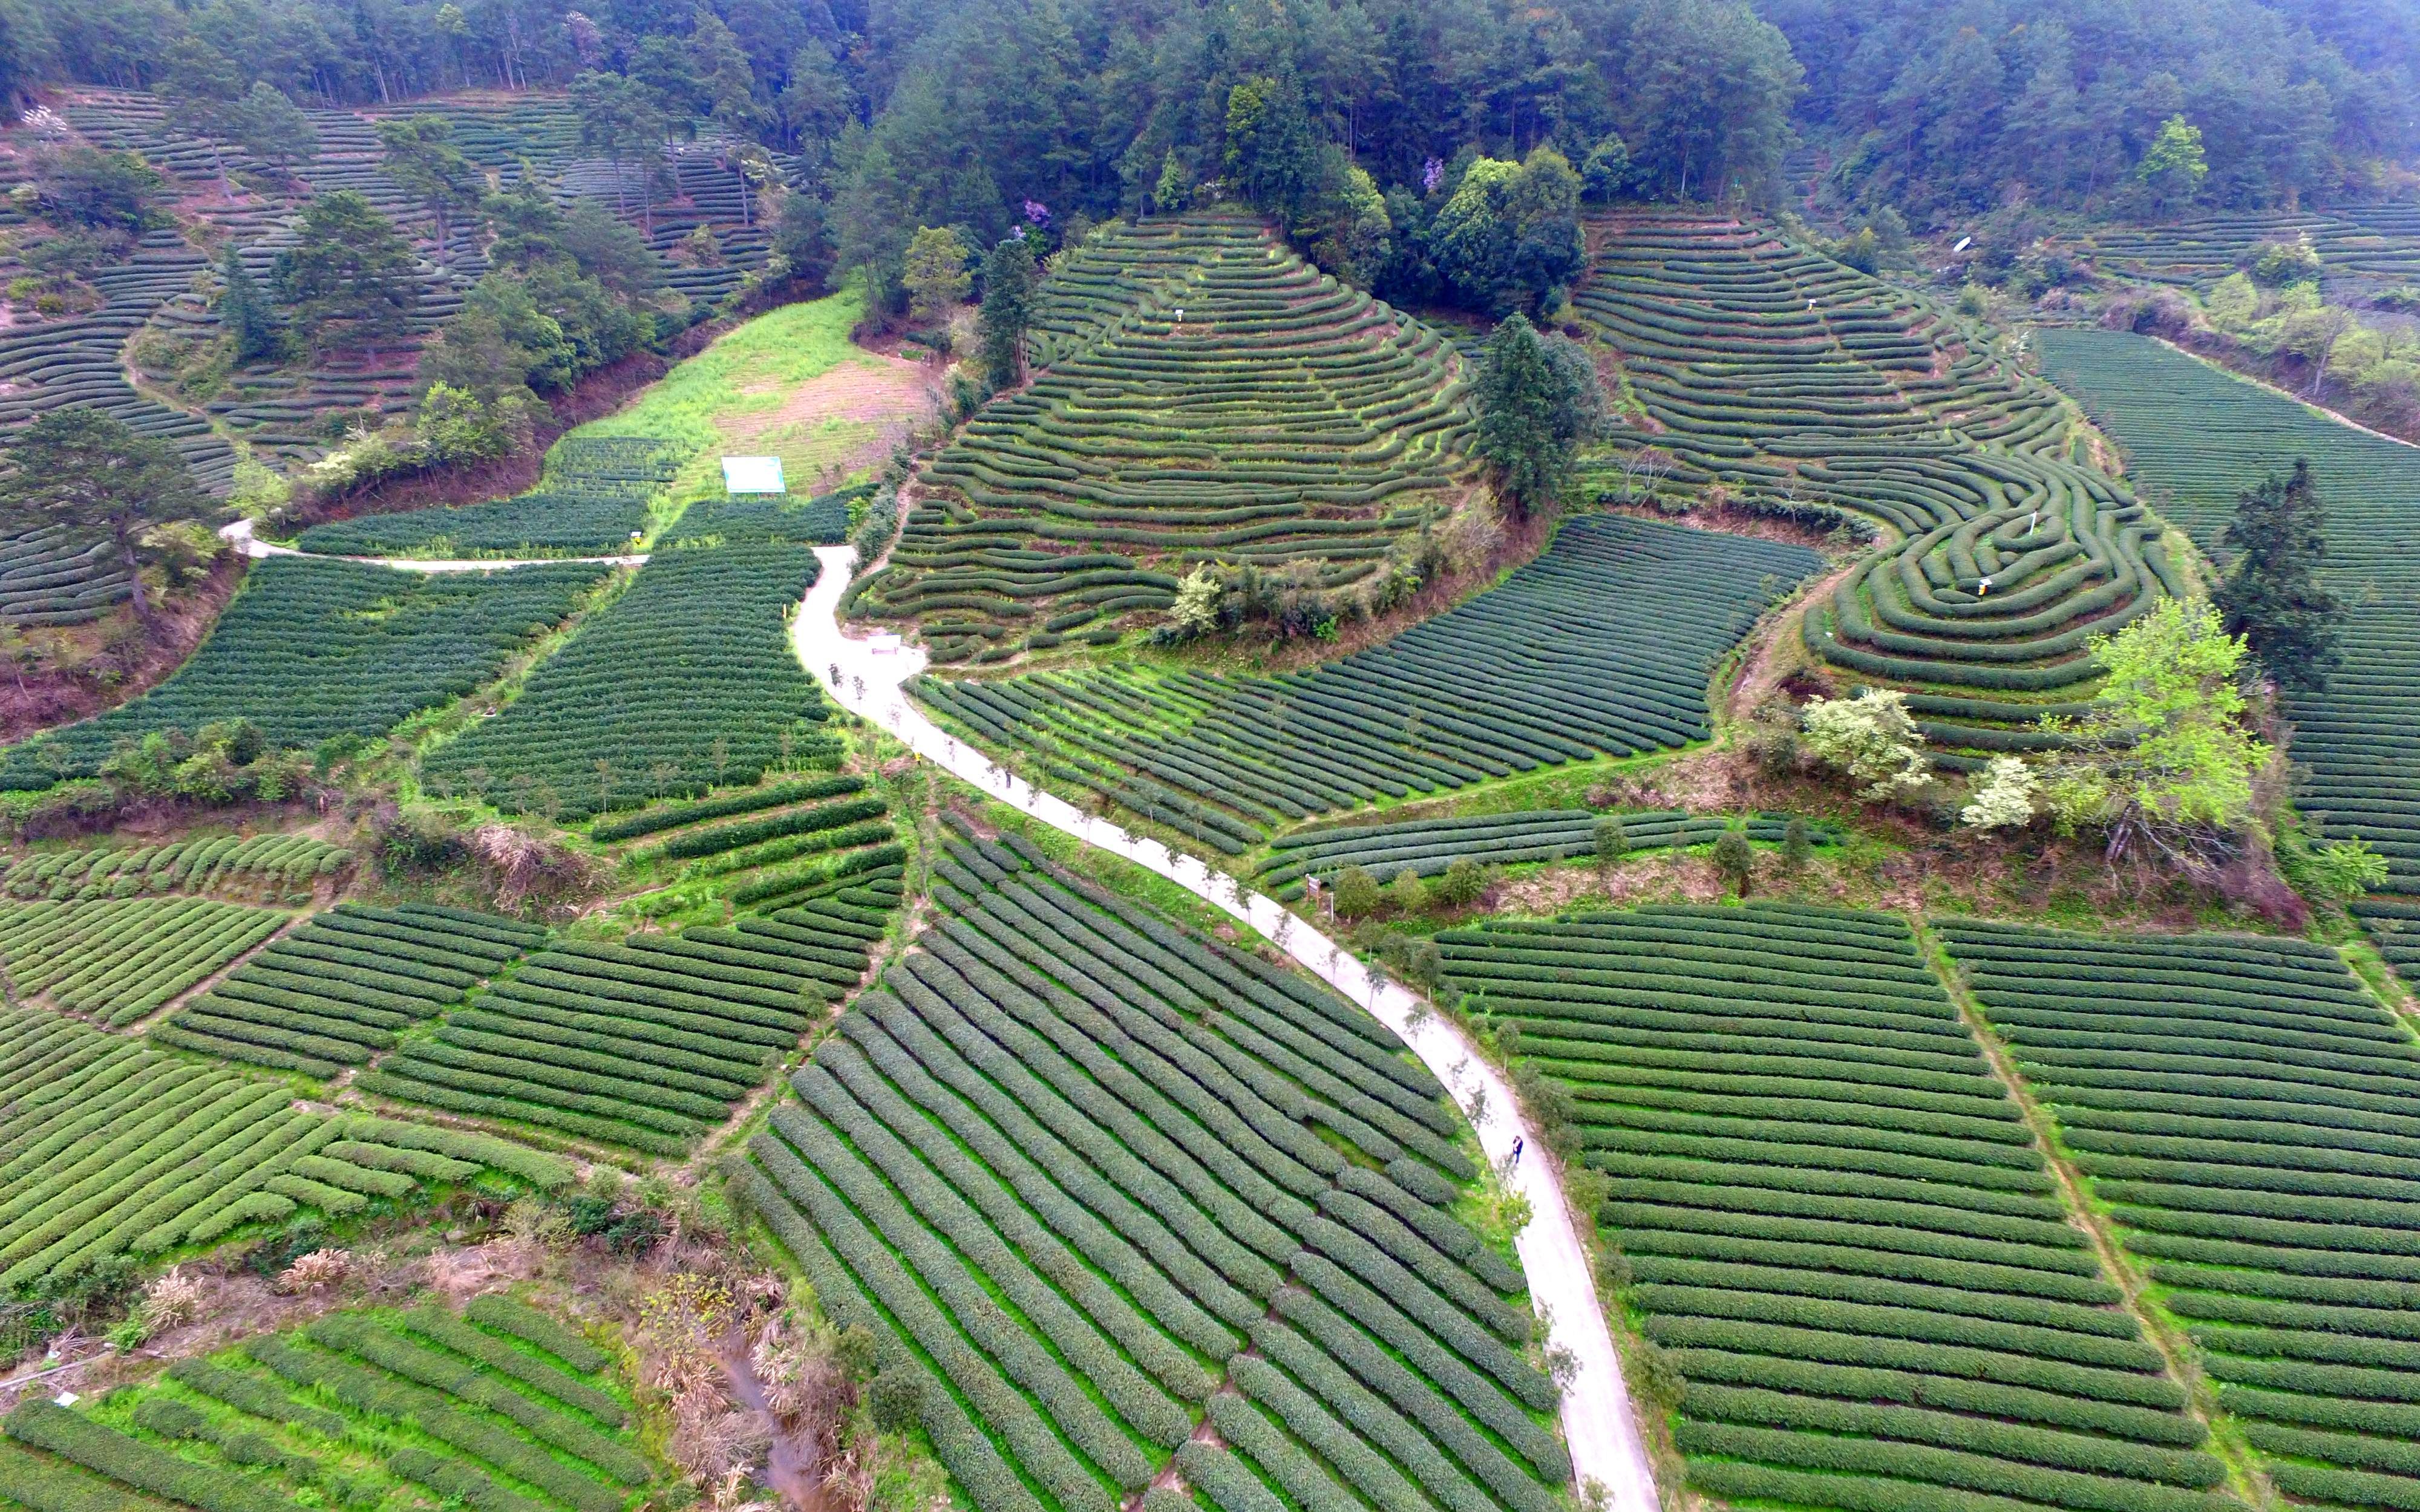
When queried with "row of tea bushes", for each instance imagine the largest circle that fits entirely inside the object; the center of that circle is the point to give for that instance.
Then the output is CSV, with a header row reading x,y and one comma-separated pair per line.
x,y
2202,437
109,1148
1836,1225
345,985
309,651
1131,1201
2250,1118
119,962
1605,645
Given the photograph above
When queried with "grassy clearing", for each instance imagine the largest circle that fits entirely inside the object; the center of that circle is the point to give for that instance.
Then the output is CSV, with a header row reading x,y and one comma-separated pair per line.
x,y
710,401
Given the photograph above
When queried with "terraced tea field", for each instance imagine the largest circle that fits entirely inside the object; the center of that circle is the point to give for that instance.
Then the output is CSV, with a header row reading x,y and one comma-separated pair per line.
x,y
109,1148
119,962
312,650
523,1416
1601,646
684,681
594,497
1205,393
1425,847
647,1044
2378,244
338,990
2246,1113
1839,1231
2199,436
1104,1184
1811,391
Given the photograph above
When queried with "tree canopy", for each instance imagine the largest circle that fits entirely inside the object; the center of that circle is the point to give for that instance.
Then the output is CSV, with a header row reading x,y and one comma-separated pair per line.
x,y
1538,398
88,470
2273,597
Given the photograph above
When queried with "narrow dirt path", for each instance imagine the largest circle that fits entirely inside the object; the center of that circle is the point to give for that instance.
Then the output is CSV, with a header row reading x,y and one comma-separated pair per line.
x,y
1599,1422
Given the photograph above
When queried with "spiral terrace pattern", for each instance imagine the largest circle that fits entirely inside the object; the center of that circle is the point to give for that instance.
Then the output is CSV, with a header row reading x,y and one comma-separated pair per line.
x,y
1286,419
1806,389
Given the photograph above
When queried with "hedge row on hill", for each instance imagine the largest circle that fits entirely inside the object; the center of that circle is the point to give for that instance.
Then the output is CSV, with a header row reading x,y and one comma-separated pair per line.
x,y
118,962
109,1148
341,988
344,1411
1207,393
1813,392
1426,847
2245,1109
1098,1180
593,496
50,576
2202,437
684,683
268,867
312,650
1601,646
1836,1225
648,1044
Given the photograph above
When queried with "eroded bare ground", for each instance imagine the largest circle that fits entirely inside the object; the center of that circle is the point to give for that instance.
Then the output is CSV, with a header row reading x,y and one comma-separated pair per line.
x,y
859,411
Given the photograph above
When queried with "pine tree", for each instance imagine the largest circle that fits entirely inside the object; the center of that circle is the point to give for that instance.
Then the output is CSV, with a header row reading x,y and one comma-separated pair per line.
x,y
1008,276
2273,597
243,313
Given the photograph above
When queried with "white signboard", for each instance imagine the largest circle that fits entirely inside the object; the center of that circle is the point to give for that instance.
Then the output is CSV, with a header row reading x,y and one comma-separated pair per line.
x,y
752,474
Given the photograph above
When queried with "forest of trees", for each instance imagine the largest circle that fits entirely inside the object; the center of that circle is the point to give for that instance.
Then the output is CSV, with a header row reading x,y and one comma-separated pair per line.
x,y
1432,148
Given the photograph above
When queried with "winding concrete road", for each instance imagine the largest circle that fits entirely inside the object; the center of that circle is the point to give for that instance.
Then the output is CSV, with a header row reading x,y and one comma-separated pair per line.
x,y
1598,1422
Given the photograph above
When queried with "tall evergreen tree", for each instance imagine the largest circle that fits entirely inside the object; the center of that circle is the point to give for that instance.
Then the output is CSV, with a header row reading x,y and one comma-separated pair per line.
x,y
243,313
1009,278
2273,597
1538,398
349,275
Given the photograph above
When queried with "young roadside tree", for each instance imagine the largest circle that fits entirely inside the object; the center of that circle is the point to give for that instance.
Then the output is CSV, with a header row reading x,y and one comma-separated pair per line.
x,y
2161,760
424,161
1735,859
2271,596
2004,799
1797,844
2173,166
1008,277
1196,609
1538,398
935,275
244,311
1872,740
1612,841
88,470
350,276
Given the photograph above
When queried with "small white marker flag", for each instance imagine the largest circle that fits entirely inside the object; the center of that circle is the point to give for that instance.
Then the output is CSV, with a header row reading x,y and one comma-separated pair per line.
x,y
752,474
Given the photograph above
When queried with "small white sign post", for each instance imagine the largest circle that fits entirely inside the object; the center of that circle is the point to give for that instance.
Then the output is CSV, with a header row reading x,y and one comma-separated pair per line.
x,y
752,474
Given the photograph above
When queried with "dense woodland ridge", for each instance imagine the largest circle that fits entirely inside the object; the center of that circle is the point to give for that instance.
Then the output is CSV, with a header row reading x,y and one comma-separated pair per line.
x,y
1836,798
